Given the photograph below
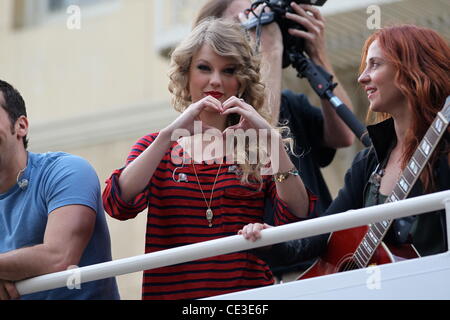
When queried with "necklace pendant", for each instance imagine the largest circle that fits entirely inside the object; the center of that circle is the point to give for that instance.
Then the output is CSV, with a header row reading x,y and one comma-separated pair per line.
x,y
209,216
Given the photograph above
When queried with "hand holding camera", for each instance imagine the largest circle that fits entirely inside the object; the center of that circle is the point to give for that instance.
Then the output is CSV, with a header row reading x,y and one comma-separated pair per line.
x,y
314,36
297,22
271,39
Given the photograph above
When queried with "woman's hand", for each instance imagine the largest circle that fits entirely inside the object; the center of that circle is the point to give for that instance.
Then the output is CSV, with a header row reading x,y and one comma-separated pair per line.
x,y
192,113
250,118
252,231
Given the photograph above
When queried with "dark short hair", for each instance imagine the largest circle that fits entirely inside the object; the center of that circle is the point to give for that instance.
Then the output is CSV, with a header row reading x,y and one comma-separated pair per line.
x,y
212,9
14,105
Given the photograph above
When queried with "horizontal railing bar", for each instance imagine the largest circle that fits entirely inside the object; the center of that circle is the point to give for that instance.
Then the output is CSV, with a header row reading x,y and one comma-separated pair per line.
x,y
303,229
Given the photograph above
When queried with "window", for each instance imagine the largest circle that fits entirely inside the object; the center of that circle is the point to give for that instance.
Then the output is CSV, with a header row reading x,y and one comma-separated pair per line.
x,y
173,21
62,5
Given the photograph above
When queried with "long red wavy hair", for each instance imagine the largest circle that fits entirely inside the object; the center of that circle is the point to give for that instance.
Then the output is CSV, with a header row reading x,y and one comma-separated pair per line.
x,y
421,58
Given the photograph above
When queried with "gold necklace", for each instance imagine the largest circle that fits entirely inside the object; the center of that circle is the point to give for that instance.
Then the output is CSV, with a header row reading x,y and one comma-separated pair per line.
x,y
209,213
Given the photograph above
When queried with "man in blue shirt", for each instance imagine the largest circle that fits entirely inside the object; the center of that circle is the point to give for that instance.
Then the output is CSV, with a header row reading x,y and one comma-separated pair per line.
x,y
51,214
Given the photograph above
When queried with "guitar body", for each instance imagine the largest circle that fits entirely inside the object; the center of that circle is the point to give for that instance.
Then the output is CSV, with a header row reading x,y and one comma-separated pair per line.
x,y
343,244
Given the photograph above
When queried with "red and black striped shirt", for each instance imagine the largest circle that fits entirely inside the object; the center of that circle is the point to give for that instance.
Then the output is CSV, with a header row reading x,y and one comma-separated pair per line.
x,y
176,217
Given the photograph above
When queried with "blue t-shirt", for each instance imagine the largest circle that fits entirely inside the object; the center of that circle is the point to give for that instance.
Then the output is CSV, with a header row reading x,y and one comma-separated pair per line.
x,y
55,180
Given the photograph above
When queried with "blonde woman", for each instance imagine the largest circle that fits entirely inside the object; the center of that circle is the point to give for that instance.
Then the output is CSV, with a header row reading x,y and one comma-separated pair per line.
x,y
215,83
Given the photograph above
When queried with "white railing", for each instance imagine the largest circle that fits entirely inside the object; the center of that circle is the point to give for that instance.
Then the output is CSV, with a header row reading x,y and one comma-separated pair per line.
x,y
349,219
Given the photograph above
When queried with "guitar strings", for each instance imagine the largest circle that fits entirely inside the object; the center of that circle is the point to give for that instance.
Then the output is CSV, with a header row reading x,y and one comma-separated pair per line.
x,y
351,265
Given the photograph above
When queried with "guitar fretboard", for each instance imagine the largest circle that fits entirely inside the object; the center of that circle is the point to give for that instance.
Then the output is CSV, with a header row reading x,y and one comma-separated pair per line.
x,y
409,176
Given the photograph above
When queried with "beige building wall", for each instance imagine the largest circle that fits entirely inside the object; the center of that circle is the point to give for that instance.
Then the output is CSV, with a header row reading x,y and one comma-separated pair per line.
x,y
94,91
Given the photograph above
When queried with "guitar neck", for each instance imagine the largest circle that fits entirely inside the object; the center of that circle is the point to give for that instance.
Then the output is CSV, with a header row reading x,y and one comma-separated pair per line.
x,y
405,183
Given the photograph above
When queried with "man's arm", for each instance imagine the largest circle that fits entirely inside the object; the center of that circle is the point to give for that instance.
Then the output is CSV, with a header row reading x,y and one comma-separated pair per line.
x,y
336,133
271,61
271,72
67,233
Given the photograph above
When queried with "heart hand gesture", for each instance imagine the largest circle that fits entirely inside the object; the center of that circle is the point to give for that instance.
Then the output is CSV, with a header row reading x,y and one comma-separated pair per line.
x,y
250,118
192,113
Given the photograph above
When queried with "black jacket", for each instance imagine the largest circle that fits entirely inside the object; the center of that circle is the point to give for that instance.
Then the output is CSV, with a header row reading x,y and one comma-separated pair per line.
x,y
427,232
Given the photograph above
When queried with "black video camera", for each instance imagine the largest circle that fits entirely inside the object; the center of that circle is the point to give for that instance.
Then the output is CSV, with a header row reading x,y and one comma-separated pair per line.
x,y
279,8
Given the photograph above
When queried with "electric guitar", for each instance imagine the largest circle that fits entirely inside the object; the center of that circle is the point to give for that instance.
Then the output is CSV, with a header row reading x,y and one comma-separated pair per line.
x,y
359,247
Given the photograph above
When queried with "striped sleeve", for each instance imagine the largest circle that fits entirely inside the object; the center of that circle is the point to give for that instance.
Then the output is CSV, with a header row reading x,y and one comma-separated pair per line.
x,y
114,205
282,214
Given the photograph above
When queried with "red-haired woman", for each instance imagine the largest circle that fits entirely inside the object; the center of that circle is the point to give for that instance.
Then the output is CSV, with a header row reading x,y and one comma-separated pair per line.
x,y
405,71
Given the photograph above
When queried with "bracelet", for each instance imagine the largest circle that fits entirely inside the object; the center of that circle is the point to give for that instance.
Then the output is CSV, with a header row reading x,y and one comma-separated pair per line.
x,y
281,176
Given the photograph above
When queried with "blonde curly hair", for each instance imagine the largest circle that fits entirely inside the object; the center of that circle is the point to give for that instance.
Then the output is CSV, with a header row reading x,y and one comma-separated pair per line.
x,y
227,39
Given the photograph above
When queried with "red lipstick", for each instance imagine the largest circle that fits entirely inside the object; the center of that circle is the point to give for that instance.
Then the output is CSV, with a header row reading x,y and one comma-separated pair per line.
x,y
215,94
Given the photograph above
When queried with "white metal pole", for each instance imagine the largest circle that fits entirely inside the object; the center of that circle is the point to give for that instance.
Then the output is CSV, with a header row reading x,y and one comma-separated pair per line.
x,y
349,219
